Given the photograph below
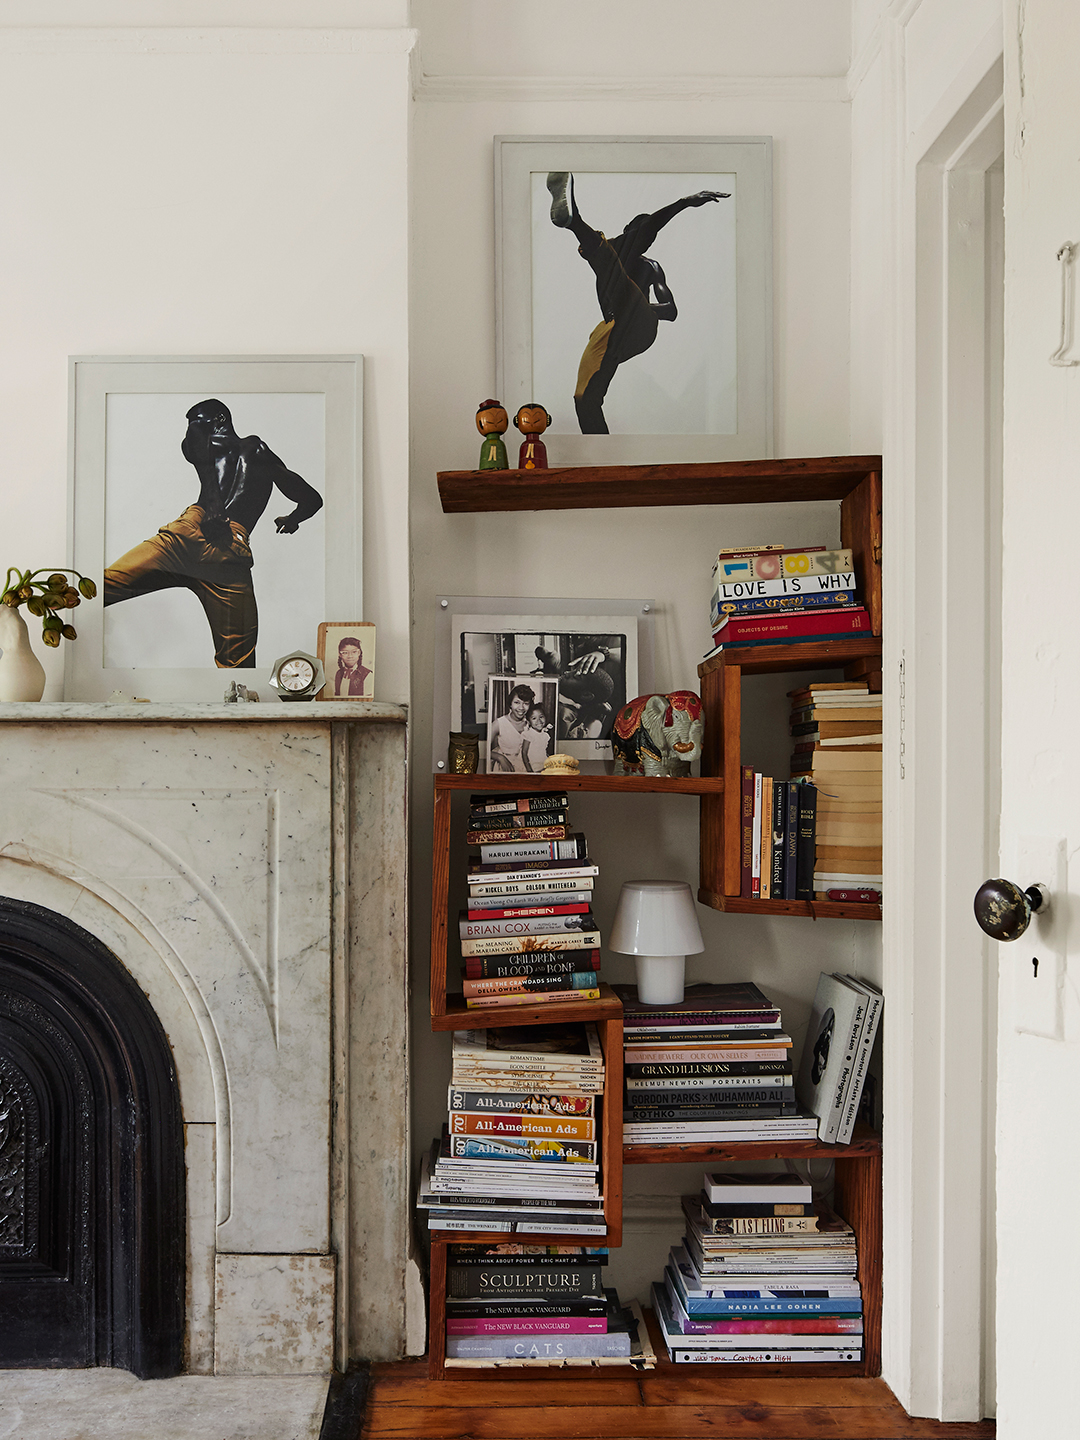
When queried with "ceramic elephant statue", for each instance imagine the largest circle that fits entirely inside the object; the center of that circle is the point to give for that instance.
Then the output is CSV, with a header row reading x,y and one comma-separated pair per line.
x,y
659,734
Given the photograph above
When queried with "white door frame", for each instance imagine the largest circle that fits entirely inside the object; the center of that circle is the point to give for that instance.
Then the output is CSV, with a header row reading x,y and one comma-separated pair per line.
x,y
941,583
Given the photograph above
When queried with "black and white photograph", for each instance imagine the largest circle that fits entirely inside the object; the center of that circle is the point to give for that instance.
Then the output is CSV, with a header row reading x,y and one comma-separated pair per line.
x,y
522,713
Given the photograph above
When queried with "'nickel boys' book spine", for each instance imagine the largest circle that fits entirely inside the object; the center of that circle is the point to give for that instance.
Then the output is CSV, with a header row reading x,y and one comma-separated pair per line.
x,y
614,1346
526,926
572,848
536,820
515,804
573,890
514,984
532,944
545,962
767,604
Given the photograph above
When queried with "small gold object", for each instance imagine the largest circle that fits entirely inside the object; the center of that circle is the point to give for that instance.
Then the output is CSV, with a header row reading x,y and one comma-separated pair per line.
x,y
463,755
561,765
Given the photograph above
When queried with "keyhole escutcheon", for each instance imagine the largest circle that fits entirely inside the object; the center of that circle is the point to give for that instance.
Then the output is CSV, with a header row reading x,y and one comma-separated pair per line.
x,y
1035,967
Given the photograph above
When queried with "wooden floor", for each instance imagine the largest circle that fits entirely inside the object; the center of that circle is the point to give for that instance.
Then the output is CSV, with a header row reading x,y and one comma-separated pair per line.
x,y
668,1403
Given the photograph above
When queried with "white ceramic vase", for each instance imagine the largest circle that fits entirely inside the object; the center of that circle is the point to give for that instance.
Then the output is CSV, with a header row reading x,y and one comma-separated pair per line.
x,y
22,675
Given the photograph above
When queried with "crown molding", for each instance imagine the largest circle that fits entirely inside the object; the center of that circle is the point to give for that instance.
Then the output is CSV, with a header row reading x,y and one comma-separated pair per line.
x,y
478,89
203,40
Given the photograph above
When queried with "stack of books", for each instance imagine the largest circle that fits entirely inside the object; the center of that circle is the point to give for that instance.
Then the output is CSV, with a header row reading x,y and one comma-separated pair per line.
x,y
528,935
715,1067
837,1052
770,595
763,1275
520,1153
533,1303
836,728
777,841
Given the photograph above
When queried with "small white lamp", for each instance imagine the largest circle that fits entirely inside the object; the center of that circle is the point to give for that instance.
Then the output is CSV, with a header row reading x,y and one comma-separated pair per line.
x,y
655,921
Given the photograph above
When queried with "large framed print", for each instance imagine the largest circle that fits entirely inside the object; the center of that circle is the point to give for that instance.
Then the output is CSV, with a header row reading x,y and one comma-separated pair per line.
x,y
218,503
583,659
633,294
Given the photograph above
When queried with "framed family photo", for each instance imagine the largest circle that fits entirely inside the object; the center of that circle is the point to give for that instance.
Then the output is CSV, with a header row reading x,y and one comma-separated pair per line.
x,y
522,719
579,661
347,651
633,294
218,503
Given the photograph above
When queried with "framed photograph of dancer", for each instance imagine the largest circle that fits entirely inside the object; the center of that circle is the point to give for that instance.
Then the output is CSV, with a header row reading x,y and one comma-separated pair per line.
x,y
522,719
218,502
347,651
633,294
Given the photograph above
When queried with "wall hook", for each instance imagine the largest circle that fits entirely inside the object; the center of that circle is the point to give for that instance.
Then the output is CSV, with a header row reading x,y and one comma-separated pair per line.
x,y
1065,255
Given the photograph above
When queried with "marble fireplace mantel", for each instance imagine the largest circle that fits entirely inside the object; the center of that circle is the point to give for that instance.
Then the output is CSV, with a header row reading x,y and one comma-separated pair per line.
x,y
247,864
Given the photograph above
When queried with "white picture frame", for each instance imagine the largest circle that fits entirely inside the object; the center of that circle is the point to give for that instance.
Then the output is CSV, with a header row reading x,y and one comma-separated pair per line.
x,y
128,478
704,385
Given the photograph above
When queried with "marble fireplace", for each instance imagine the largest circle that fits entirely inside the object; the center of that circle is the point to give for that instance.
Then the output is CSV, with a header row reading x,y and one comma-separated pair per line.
x,y
225,884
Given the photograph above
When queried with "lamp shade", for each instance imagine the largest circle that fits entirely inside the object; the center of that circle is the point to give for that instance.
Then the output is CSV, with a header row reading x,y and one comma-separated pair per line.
x,y
656,917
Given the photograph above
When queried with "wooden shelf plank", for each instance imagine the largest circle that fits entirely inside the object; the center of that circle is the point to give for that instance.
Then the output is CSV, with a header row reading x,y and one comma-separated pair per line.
x,y
459,1017
865,1144
611,784
806,909
801,655
594,487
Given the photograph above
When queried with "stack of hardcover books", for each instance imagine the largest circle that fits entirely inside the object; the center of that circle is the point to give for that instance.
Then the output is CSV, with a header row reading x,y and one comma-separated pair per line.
x,y
771,595
534,1303
520,1153
777,840
837,731
763,1275
528,936
715,1067
837,1052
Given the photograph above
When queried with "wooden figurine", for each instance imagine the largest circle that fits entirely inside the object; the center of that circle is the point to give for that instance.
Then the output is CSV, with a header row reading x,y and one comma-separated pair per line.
x,y
492,422
532,420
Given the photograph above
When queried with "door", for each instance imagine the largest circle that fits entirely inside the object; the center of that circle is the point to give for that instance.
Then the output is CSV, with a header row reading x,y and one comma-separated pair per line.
x,y
1038,1155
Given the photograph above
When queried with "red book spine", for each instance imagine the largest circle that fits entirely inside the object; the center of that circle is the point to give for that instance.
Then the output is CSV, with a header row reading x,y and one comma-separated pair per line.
x,y
747,818
789,624
860,897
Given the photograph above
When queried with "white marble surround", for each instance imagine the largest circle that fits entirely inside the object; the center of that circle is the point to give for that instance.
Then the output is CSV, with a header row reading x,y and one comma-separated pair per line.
x,y
247,864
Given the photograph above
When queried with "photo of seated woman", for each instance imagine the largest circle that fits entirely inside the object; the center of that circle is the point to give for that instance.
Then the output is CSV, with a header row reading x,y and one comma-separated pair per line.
x,y
521,723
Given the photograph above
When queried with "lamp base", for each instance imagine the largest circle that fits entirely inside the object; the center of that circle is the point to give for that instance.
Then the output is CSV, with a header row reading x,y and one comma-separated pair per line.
x,y
660,978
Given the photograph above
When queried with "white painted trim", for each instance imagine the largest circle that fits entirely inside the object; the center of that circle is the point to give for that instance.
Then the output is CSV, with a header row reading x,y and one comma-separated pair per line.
x,y
529,89
203,40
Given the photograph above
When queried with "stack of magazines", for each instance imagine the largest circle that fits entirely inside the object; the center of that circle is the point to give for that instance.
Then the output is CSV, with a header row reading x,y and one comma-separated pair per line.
x,y
764,1274
528,936
520,1153
714,1067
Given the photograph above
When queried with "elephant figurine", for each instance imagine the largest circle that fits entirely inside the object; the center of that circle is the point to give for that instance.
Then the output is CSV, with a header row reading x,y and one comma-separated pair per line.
x,y
659,734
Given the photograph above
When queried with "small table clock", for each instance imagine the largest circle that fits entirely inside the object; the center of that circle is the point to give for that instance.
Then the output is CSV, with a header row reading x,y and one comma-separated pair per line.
x,y
297,676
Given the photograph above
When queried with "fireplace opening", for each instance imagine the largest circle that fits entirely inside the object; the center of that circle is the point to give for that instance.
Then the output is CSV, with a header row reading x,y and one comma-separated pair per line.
x,y
92,1219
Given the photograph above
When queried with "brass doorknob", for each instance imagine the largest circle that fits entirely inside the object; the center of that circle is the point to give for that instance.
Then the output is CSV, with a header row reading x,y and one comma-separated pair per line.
x,y
1004,911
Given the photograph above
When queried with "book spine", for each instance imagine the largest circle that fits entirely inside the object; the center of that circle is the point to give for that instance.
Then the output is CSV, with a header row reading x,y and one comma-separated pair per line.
x,y
519,984
774,564
721,1212
764,1225
581,905
839,581
538,820
616,1345
780,1065
570,1282
804,845
525,927
532,944
689,1121
527,1310
854,897
759,1095
516,804
714,1305
505,871
491,890
776,852
533,997
766,1357
765,862
462,1123
819,1325
858,1074
747,831
791,840
553,1153
572,848
549,963
491,837
582,1325
791,625
678,1070
829,1127
695,1019
769,604
755,840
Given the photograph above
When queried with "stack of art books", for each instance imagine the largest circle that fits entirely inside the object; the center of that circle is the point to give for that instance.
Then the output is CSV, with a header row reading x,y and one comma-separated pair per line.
x,y
836,727
528,935
534,1303
764,1275
771,595
716,1066
837,1052
520,1153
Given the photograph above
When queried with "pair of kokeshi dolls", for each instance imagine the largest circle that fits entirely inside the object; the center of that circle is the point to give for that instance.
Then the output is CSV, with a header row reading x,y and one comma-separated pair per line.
x,y
492,422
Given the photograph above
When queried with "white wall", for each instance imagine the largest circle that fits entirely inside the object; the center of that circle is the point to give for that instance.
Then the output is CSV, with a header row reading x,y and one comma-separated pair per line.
x,y
519,86
201,192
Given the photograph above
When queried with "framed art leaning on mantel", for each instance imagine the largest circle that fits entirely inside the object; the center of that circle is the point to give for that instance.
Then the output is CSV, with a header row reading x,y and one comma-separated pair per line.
x,y
633,294
217,501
